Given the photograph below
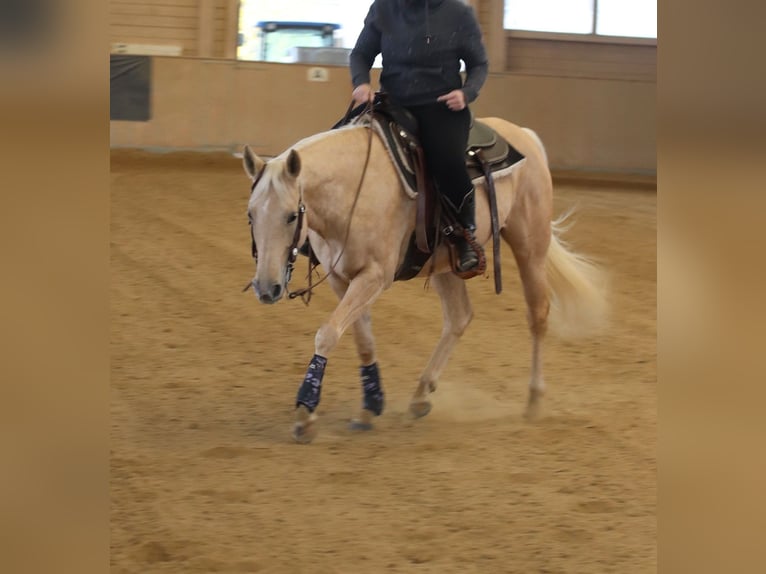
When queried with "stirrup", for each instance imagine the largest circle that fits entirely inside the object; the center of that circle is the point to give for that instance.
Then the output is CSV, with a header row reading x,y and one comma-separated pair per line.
x,y
467,259
481,265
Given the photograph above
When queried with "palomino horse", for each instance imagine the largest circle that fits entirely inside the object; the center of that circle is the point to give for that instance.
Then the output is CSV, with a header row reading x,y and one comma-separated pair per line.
x,y
341,190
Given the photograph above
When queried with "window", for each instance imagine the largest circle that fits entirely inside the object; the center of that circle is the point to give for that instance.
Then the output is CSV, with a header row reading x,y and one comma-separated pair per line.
x,y
299,30
636,18
629,18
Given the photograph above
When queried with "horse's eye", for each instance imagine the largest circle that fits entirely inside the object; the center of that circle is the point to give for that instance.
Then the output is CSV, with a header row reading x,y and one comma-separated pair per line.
x,y
292,217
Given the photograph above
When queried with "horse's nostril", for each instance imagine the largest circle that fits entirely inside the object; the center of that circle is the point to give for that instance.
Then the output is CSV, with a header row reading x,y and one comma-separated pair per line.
x,y
276,292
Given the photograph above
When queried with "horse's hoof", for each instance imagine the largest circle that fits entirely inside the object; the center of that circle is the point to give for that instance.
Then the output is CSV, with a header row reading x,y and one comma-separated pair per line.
x,y
304,434
420,408
532,412
356,425
305,427
363,422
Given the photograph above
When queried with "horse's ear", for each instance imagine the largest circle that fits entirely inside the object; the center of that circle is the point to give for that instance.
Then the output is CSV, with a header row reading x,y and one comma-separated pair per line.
x,y
293,163
253,164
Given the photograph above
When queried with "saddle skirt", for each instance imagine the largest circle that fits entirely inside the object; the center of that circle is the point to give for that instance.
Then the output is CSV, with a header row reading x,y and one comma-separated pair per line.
x,y
397,129
488,155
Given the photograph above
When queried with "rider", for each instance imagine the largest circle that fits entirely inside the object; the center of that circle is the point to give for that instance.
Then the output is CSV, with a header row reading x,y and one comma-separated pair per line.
x,y
422,42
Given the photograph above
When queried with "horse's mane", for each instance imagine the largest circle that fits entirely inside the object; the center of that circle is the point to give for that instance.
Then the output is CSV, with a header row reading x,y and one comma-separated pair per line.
x,y
273,177
312,139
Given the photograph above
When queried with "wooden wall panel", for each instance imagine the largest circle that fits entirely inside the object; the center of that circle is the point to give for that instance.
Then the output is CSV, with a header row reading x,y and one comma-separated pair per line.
x,y
156,2
490,16
592,102
586,124
203,28
153,32
129,8
165,22
220,29
569,58
153,21
231,28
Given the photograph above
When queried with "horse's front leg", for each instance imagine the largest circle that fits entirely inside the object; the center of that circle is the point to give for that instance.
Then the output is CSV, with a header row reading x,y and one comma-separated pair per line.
x,y
354,303
373,399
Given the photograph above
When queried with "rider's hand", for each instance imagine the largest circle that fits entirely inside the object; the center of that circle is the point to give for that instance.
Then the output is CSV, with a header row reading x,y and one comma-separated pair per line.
x,y
362,94
455,100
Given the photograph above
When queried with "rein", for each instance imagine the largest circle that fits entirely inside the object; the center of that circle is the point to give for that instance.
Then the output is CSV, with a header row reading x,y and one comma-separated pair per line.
x,y
306,293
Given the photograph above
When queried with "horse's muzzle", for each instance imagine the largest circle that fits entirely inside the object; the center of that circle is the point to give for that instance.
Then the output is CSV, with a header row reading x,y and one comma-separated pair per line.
x,y
268,294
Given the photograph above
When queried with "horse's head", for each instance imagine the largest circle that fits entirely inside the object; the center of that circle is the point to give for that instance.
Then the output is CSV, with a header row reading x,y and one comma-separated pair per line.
x,y
275,211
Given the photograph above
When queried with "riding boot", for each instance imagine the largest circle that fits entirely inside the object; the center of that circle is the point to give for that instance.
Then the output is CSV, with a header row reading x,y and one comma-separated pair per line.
x,y
468,258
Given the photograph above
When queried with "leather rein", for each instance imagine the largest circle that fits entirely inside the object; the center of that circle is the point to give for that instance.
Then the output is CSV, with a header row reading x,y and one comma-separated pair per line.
x,y
305,293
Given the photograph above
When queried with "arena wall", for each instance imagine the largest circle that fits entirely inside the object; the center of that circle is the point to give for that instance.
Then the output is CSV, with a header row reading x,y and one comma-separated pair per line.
x,y
592,102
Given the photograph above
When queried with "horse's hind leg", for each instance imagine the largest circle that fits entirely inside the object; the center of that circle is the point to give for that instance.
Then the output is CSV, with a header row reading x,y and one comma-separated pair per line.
x,y
373,398
457,313
530,251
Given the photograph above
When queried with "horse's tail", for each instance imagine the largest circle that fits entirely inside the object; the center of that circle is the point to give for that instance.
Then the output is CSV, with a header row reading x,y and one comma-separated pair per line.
x,y
579,305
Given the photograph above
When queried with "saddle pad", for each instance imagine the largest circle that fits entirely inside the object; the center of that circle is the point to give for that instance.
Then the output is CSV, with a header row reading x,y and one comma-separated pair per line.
x,y
499,156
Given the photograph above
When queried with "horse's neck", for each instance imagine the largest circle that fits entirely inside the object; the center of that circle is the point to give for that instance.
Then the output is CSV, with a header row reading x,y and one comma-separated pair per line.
x,y
332,176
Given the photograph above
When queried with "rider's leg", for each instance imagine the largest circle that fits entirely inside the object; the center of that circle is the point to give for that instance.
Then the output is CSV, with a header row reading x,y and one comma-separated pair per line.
x,y
444,136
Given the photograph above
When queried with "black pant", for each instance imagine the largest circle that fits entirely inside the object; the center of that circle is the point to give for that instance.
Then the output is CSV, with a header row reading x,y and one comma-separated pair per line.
x,y
444,136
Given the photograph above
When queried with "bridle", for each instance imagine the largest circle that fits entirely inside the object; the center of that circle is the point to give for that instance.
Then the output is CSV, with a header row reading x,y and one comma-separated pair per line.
x,y
292,255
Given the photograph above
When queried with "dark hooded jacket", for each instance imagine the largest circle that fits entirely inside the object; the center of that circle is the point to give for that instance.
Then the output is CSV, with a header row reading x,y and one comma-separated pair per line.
x,y
422,42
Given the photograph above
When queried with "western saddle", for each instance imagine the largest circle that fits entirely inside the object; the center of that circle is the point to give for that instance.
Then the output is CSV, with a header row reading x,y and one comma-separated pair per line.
x,y
487,152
